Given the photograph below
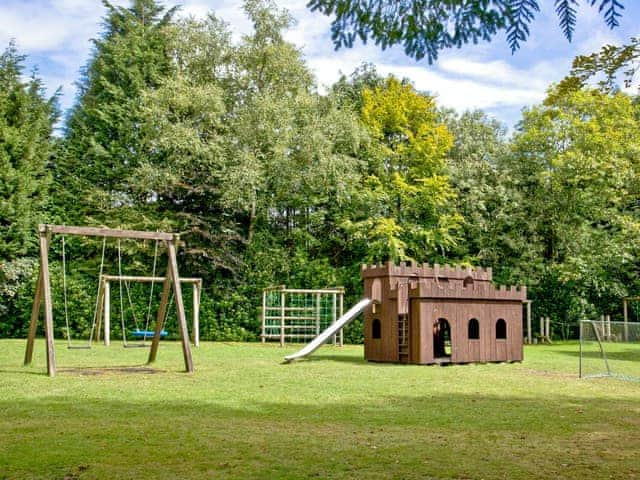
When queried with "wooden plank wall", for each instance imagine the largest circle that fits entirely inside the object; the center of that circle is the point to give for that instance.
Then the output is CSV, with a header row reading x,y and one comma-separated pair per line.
x,y
425,313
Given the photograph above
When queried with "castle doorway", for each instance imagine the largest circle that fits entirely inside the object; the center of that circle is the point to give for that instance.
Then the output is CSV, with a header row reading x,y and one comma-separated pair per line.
x,y
441,339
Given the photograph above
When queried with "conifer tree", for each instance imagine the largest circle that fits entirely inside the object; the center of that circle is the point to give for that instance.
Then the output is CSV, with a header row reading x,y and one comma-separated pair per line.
x,y
27,117
26,147
103,133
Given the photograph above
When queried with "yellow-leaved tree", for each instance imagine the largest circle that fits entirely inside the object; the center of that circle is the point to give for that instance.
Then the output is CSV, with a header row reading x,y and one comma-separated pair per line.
x,y
410,208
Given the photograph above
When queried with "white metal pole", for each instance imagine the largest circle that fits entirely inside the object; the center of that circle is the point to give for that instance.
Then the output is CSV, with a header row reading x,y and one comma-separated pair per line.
x,y
264,314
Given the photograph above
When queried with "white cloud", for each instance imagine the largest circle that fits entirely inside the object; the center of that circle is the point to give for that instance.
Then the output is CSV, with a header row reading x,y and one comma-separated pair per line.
x,y
57,33
500,72
195,9
464,94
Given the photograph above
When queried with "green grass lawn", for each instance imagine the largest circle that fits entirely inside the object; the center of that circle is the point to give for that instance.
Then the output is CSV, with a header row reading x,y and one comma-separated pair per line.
x,y
243,414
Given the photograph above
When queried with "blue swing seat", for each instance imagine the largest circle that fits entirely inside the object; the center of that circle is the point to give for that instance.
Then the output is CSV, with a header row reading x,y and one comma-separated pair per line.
x,y
147,333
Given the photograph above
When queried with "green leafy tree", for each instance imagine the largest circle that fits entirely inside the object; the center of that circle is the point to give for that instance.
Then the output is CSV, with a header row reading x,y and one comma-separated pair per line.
x,y
180,176
479,146
611,67
571,220
291,153
424,27
348,90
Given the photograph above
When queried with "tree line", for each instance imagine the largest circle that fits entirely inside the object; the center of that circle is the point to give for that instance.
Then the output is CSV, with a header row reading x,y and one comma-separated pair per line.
x,y
177,127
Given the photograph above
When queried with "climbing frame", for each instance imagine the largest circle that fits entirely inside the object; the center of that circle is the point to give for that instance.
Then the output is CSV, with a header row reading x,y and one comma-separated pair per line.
x,y
298,315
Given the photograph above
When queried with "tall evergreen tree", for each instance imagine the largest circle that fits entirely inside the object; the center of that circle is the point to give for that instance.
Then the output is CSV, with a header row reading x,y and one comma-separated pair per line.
x,y
26,147
27,117
103,134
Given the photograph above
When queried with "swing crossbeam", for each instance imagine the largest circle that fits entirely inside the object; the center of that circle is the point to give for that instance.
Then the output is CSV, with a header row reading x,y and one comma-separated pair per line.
x,y
43,296
134,278
108,232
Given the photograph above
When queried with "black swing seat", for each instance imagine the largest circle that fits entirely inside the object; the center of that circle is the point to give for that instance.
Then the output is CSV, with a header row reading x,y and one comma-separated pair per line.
x,y
79,347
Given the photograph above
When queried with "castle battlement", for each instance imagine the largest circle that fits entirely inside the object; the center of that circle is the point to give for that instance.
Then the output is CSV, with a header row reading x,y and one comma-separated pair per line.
x,y
425,270
430,288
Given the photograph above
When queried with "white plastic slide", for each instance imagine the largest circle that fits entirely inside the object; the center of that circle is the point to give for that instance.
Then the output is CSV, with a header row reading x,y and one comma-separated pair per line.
x,y
342,322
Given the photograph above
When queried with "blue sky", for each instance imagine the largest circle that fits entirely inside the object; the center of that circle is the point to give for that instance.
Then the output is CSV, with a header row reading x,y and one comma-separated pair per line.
x,y
55,34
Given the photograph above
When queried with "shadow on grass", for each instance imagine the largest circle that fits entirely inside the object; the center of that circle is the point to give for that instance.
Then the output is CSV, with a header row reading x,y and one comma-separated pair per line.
x,y
391,436
87,370
316,357
24,371
140,369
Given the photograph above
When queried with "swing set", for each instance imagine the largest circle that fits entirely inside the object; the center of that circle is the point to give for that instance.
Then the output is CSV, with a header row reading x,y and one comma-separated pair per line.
x,y
171,282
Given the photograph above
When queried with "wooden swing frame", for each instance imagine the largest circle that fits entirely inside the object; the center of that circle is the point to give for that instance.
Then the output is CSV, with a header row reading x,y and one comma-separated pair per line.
x,y
43,290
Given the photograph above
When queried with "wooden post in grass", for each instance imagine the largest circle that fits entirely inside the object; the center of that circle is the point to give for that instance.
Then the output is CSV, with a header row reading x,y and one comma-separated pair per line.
x,y
172,280
107,313
529,337
548,330
104,311
626,319
341,313
542,329
33,325
43,296
529,332
334,313
318,315
162,311
182,321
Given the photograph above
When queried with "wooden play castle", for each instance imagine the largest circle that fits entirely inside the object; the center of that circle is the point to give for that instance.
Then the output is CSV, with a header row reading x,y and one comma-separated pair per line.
x,y
426,314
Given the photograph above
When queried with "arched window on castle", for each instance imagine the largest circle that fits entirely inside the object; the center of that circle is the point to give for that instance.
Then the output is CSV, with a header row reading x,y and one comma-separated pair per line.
x,y
473,329
501,329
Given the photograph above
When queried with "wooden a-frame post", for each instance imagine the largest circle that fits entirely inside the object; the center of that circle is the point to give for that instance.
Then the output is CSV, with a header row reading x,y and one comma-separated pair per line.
x,y
172,278
43,295
43,290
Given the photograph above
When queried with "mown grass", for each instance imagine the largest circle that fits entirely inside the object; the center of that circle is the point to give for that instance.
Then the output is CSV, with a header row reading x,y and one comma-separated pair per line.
x,y
243,414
